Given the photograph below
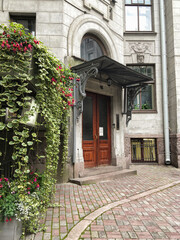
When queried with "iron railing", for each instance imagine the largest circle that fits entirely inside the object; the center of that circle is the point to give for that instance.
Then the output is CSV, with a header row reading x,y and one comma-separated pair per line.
x,y
143,150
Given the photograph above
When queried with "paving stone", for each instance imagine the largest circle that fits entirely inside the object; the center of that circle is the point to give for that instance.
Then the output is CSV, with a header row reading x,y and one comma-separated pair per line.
x,y
156,214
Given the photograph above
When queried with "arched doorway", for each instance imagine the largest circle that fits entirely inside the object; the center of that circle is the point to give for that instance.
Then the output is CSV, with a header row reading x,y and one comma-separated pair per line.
x,y
96,134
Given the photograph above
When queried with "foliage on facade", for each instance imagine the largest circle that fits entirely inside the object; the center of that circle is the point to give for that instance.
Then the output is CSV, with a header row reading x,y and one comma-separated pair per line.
x,y
28,69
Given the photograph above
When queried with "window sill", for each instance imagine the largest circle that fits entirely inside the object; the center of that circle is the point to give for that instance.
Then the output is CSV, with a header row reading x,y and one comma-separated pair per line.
x,y
140,33
144,111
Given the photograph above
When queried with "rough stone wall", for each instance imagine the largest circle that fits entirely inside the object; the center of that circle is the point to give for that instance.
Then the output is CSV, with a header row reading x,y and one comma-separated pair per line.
x,y
175,150
173,60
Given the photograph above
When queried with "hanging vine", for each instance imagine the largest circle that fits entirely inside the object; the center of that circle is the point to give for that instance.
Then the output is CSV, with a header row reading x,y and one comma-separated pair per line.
x,y
50,82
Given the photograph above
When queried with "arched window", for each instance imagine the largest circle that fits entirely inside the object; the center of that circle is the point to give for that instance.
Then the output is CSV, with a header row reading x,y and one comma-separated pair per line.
x,y
91,48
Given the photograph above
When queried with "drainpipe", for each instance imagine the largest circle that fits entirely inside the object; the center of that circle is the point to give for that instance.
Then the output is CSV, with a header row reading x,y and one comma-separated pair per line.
x,y
74,127
164,79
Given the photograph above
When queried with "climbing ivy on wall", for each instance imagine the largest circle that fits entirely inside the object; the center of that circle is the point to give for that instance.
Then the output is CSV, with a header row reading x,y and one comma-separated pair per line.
x,y
27,69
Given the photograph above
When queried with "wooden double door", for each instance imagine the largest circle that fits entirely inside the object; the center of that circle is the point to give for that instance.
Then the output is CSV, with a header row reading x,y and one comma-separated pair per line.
x,y
96,130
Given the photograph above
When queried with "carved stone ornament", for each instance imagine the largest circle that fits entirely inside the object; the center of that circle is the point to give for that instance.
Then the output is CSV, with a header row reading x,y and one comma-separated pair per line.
x,y
140,58
140,47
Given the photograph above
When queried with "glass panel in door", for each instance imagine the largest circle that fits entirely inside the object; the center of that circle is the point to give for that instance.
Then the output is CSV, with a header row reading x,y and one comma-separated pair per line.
x,y
88,118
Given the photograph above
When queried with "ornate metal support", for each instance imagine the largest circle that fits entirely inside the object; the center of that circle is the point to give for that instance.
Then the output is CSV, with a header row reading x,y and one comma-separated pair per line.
x,y
130,95
84,74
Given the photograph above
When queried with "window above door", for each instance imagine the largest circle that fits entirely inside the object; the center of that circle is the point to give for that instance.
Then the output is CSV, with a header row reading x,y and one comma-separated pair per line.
x,y
91,48
138,15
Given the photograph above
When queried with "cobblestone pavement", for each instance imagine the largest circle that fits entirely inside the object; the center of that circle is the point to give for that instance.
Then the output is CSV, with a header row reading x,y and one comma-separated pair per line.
x,y
155,216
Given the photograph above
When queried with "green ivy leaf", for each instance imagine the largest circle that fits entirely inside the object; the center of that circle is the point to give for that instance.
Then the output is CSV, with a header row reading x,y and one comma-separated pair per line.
x,y
9,125
29,143
15,138
34,135
2,126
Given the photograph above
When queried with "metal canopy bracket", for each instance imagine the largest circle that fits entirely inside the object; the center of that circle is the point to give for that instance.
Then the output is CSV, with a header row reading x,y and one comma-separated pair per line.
x,y
130,95
84,75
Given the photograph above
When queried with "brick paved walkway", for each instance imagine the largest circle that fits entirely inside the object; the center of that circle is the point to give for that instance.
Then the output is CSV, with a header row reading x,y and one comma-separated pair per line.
x,y
156,216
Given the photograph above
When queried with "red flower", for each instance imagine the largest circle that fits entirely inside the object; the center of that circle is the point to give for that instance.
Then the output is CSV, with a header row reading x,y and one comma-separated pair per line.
x,y
7,220
8,35
14,31
77,79
4,33
30,46
25,49
36,42
14,50
35,180
37,186
2,45
6,179
53,80
8,46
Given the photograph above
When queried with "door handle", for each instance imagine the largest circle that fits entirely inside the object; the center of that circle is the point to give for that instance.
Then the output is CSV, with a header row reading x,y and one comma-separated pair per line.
x,y
95,136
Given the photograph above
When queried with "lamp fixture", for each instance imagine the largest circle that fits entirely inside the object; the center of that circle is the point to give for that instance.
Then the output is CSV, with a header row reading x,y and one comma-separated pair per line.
x,y
109,82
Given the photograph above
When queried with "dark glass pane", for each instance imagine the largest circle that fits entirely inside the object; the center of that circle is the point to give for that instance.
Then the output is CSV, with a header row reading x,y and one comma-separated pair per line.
x,y
88,118
103,118
150,71
143,70
146,96
28,23
90,49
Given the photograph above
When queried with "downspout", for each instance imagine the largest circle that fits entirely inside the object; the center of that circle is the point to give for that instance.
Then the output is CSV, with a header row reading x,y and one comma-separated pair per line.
x,y
74,128
164,79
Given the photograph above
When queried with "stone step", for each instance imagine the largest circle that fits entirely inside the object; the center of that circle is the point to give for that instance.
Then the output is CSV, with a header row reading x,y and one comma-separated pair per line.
x,y
103,177
99,170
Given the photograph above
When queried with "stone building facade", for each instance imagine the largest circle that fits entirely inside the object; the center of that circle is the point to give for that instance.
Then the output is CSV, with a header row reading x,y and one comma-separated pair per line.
x,y
128,32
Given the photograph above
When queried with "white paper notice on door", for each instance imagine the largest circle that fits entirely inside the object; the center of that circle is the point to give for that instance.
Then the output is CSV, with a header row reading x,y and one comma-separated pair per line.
x,y
101,131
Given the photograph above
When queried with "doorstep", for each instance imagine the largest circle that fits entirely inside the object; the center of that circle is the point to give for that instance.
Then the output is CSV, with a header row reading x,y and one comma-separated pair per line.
x,y
99,174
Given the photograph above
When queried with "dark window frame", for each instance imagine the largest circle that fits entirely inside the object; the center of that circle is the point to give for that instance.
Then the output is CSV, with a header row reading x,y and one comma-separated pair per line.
x,y
14,17
138,20
143,110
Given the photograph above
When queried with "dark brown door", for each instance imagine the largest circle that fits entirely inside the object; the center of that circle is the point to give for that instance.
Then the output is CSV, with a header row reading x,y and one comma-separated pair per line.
x,y
96,130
